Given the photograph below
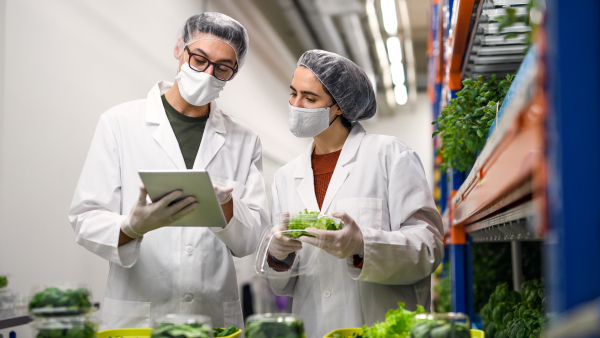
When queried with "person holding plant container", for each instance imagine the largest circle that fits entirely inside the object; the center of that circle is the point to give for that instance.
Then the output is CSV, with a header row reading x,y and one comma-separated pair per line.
x,y
156,269
391,241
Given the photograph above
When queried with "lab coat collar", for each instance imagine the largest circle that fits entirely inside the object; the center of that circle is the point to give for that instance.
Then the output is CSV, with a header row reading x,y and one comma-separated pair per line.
x,y
306,188
212,140
349,151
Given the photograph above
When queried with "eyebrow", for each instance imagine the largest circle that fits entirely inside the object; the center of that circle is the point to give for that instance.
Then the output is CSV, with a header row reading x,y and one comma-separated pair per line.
x,y
305,92
197,49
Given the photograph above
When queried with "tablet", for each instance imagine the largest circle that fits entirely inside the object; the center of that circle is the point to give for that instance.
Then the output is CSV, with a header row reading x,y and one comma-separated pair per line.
x,y
195,183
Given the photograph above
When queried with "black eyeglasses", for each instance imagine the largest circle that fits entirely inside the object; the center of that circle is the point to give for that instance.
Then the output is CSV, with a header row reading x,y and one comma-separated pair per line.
x,y
200,63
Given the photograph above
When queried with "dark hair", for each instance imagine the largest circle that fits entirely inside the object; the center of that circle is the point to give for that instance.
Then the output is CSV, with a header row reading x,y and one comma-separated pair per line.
x,y
345,122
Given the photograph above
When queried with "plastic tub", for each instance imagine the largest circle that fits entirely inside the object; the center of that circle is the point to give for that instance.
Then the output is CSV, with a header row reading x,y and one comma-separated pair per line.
x,y
195,326
74,326
60,300
140,333
349,332
443,325
274,325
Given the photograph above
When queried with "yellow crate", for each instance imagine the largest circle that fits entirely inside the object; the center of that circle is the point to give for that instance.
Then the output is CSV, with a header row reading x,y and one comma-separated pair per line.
x,y
350,332
125,333
141,333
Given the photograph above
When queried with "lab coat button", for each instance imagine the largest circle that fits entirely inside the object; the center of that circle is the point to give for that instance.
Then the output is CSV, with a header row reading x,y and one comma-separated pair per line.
x,y
189,249
327,294
188,298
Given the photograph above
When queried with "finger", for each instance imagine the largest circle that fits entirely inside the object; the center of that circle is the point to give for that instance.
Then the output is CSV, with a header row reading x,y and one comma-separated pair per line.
x,y
343,216
168,199
170,210
143,194
285,248
312,241
321,234
185,211
224,189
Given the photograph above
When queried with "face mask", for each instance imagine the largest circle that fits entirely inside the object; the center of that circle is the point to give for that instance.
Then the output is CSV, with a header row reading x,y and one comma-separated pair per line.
x,y
198,89
309,122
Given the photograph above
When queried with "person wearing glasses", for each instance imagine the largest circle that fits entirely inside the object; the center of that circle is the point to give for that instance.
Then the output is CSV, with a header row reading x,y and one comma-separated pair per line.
x,y
155,269
391,241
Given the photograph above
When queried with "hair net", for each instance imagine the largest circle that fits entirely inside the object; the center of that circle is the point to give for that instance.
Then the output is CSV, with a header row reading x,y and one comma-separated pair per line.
x,y
216,26
346,81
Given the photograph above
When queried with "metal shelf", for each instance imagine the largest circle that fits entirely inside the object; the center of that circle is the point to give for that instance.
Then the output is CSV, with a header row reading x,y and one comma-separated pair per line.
x,y
12,318
515,224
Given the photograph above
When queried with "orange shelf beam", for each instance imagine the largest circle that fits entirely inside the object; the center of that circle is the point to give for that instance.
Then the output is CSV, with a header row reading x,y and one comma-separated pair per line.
x,y
458,42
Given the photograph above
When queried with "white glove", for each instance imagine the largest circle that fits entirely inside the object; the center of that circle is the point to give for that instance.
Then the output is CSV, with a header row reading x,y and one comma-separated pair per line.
x,y
281,246
338,243
223,192
146,217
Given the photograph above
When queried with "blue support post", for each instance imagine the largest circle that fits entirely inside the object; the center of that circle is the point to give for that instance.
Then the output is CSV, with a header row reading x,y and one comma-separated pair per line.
x,y
459,281
573,84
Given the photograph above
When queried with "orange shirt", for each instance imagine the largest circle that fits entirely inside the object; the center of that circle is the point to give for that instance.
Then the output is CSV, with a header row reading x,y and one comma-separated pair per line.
x,y
323,166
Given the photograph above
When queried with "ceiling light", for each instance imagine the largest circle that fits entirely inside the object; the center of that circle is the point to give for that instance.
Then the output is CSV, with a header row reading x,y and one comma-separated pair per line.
x,y
401,94
390,20
394,50
397,73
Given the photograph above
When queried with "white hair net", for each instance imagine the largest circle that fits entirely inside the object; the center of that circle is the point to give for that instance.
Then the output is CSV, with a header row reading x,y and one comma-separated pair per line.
x,y
215,26
345,81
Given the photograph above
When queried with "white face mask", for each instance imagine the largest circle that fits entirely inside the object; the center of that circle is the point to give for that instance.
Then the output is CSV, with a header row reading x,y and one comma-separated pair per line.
x,y
309,122
198,89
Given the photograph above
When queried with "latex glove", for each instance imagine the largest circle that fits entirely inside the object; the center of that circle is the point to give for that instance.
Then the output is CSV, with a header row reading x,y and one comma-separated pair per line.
x,y
223,192
281,246
146,217
338,243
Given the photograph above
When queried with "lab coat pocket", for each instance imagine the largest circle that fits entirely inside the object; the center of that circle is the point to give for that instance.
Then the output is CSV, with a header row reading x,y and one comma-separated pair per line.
x,y
366,212
124,314
232,313
238,188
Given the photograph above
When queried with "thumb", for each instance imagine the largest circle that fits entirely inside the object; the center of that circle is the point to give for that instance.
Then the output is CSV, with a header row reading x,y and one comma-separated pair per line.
x,y
343,216
143,194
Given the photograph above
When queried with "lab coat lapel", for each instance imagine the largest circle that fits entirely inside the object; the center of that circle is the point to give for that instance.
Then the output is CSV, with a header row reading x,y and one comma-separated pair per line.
x,y
306,188
213,138
340,173
164,135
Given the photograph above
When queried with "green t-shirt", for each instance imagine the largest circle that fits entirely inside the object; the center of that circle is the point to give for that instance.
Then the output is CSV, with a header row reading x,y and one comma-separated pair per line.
x,y
188,131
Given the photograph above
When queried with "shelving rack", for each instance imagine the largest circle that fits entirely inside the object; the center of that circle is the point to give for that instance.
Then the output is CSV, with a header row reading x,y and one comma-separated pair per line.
x,y
538,176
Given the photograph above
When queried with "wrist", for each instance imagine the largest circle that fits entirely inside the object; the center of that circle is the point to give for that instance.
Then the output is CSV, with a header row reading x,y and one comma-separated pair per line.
x,y
226,200
128,230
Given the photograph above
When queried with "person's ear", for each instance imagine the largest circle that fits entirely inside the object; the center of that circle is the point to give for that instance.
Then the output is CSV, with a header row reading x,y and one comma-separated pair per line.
x,y
339,111
178,50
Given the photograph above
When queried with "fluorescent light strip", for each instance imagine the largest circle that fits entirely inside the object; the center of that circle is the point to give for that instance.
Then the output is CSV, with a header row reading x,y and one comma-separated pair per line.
x,y
381,52
390,19
394,49
411,75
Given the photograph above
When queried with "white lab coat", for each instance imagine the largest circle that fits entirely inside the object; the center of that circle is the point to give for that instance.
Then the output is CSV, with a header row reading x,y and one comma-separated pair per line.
x,y
181,270
380,183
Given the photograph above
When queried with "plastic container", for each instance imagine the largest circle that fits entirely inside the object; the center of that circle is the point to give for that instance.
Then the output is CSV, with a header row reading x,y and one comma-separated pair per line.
x,y
304,261
70,326
347,333
274,325
441,325
60,300
141,333
190,326
7,299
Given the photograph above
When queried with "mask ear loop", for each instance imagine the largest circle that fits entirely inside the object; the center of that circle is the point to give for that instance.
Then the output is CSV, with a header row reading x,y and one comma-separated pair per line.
x,y
330,123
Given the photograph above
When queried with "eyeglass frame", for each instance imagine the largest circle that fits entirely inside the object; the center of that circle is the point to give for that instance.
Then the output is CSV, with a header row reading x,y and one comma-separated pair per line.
x,y
215,64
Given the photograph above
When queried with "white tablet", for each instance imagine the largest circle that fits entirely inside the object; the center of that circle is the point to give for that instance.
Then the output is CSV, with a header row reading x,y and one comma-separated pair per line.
x,y
195,183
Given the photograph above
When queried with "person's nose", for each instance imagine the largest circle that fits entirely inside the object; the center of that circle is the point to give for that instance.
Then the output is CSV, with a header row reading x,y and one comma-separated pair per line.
x,y
296,101
209,70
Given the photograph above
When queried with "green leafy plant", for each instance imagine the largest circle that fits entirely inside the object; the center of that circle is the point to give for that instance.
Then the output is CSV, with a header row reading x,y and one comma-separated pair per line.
x,y
274,329
440,329
3,282
310,220
397,324
444,290
47,301
509,314
85,330
168,330
220,332
464,122
511,17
